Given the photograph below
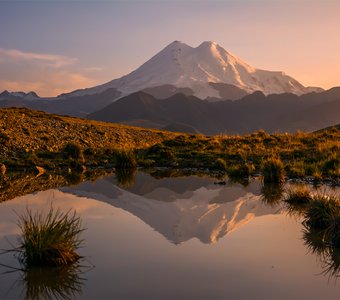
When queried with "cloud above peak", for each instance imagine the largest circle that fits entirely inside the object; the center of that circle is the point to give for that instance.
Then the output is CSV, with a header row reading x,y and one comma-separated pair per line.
x,y
47,74
56,61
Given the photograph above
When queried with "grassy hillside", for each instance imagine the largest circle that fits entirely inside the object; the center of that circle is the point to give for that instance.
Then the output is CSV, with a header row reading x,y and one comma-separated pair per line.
x,y
56,143
303,155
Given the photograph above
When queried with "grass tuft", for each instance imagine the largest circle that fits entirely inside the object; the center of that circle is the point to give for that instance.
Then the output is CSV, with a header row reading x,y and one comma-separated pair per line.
x,y
273,170
298,196
52,283
49,239
271,193
125,177
72,150
125,159
322,211
297,200
220,164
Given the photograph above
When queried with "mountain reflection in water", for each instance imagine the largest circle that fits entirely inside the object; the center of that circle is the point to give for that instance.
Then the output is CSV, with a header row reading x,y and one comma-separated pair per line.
x,y
182,208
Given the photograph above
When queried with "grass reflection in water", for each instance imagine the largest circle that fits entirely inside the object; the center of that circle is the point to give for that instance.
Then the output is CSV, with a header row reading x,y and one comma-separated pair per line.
x,y
52,282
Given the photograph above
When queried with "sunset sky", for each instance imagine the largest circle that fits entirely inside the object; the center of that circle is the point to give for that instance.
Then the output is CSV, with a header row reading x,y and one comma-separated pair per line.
x,y
53,47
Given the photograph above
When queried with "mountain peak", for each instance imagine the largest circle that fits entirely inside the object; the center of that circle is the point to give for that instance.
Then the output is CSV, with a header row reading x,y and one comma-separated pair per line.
x,y
27,96
176,45
208,44
183,66
4,93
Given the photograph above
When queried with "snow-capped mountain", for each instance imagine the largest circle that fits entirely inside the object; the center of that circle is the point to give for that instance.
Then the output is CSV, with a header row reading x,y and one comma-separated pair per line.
x,y
183,66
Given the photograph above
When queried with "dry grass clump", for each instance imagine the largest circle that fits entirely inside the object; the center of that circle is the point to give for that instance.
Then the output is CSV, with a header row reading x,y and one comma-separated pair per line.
x,y
322,232
125,159
273,170
297,200
322,211
49,239
299,195
52,283
271,193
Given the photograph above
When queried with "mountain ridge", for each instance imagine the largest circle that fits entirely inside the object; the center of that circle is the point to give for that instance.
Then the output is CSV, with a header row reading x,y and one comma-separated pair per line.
x,y
272,113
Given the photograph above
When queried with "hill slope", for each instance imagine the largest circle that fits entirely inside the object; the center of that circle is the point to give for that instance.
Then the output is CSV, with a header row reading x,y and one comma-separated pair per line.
x,y
26,130
273,113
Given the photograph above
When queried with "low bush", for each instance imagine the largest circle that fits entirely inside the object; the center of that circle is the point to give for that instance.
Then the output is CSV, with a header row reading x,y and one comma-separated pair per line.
x,y
72,150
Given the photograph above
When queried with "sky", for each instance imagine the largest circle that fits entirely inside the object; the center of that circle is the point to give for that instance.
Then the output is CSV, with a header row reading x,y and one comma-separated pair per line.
x,y
53,47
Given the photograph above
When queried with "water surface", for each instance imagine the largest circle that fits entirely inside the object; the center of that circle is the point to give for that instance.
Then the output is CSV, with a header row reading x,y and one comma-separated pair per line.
x,y
175,238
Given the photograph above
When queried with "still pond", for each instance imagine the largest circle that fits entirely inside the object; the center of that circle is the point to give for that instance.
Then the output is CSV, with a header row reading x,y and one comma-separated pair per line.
x,y
174,238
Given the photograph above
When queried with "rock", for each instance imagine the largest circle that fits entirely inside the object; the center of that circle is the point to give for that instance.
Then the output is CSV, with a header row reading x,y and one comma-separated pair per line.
x,y
41,170
3,169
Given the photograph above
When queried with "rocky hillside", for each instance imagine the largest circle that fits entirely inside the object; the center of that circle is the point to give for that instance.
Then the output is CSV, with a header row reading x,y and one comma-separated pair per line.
x,y
24,130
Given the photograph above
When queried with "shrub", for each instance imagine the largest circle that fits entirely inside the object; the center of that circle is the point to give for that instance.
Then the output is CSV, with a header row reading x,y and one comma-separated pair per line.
x,y
273,171
317,176
46,154
326,244
332,166
297,200
322,211
72,150
4,137
125,177
73,178
49,240
220,164
89,152
335,232
296,169
125,159
298,196
241,171
147,163
315,240
271,193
